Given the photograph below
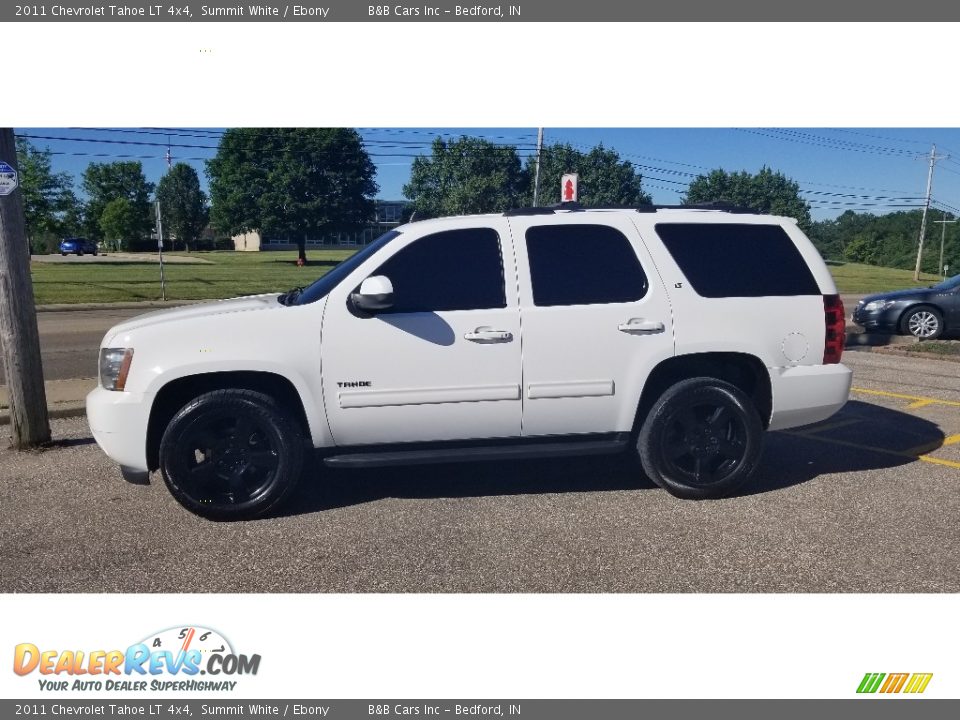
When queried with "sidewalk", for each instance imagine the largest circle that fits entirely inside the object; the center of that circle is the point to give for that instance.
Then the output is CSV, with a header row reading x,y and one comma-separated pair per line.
x,y
65,398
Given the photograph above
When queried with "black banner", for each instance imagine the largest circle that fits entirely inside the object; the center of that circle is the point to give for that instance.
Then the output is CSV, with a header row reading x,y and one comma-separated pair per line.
x,y
857,11
853,709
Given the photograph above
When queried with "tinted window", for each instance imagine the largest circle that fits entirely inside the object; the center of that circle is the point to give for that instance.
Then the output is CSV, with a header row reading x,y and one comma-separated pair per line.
x,y
453,270
727,260
583,265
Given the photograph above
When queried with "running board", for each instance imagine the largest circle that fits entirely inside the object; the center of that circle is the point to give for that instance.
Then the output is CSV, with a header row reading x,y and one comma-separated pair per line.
x,y
609,445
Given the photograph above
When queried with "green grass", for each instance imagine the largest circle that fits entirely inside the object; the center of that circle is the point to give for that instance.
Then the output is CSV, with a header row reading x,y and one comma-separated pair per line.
x,y
864,279
229,275
934,347
244,273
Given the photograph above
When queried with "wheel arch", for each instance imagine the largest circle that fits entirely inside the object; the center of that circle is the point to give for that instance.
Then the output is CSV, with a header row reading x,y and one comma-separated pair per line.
x,y
178,392
742,370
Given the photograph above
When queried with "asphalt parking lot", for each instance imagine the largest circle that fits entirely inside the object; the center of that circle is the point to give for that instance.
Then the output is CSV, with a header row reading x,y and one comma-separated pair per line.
x,y
865,502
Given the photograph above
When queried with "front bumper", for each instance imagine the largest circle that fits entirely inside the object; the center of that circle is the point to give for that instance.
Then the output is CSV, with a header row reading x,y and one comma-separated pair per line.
x,y
118,421
884,320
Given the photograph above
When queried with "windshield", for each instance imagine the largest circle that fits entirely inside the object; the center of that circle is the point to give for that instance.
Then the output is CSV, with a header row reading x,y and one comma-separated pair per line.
x,y
948,284
326,283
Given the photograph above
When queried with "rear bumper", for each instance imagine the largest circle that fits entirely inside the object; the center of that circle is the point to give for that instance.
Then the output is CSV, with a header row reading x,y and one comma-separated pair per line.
x,y
118,421
807,394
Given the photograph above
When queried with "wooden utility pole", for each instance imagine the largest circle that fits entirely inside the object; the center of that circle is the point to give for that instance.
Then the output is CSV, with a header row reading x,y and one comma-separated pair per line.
x,y
926,206
19,339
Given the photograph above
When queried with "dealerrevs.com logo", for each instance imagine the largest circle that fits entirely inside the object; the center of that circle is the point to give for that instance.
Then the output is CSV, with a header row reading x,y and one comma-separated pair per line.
x,y
893,683
172,659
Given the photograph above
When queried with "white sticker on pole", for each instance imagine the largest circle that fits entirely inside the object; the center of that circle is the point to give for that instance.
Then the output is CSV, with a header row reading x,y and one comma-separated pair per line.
x,y
8,178
568,187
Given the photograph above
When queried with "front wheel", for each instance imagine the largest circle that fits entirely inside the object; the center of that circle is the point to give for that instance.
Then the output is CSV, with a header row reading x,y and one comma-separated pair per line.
x,y
702,439
925,323
231,455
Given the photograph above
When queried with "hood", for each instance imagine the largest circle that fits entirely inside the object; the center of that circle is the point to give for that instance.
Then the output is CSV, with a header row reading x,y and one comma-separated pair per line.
x,y
218,307
899,295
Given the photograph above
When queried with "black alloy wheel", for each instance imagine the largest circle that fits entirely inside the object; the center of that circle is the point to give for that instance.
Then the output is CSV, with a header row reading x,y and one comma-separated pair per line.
x,y
231,454
702,439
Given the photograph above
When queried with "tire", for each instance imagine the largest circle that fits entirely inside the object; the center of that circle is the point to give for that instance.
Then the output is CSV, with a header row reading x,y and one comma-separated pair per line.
x,y
231,455
924,322
79,253
702,439
64,254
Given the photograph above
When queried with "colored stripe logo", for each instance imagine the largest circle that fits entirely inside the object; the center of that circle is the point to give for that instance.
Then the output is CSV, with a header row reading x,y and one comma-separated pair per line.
x,y
912,683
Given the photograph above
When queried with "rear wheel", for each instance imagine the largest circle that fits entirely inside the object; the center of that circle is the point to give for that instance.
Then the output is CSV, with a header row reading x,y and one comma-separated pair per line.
x,y
231,455
923,322
702,439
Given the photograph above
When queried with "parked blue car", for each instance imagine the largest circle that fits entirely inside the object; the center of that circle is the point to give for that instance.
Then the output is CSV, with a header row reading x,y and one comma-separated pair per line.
x,y
77,246
925,313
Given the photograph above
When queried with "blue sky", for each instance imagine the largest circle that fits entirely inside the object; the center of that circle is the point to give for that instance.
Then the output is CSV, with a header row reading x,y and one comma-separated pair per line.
x,y
864,169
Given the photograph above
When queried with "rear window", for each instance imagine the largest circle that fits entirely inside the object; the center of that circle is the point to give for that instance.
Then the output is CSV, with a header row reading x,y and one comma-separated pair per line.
x,y
729,260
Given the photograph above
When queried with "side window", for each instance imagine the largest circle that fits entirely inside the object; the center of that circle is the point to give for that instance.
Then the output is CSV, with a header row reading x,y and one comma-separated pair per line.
x,y
452,270
583,265
738,260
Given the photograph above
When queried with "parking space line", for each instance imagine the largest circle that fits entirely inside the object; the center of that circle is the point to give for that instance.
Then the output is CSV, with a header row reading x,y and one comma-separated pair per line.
x,y
828,426
938,461
916,399
929,447
887,451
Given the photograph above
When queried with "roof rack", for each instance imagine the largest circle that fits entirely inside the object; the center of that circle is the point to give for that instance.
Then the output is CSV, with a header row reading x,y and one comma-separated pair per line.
x,y
716,206
572,206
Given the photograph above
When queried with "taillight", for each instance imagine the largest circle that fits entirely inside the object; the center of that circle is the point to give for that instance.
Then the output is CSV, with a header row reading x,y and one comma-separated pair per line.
x,y
836,326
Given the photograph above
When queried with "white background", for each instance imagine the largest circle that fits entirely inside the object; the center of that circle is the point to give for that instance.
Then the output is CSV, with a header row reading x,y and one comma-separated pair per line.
x,y
485,74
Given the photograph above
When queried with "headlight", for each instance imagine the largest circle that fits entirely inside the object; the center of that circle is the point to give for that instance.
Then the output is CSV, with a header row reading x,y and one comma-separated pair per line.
x,y
114,367
878,305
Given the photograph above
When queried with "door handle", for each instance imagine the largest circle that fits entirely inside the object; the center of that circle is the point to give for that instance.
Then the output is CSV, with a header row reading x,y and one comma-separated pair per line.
x,y
488,335
641,325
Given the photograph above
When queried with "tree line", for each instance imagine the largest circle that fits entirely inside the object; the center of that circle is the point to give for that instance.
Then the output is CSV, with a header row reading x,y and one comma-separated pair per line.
x,y
117,210
302,183
890,240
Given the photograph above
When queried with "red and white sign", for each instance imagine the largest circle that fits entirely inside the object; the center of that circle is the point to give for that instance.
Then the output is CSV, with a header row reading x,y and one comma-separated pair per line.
x,y
568,187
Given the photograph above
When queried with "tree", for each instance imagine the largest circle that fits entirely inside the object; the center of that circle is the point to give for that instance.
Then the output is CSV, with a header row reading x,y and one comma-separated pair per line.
x,y
120,221
106,182
766,192
464,176
182,204
604,179
48,199
291,183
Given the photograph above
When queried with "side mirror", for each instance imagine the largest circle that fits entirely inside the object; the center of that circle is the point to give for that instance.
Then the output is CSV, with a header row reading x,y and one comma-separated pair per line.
x,y
376,294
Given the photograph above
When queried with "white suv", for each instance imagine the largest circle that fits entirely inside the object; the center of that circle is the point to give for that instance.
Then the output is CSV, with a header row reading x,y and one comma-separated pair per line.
x,y
679,334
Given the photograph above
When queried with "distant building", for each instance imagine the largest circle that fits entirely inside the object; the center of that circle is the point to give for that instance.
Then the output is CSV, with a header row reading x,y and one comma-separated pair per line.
x,y
387,215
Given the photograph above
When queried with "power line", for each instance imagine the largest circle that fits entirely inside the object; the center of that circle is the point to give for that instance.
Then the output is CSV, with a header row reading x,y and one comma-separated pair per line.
x,y
882,137
842,144
827,145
